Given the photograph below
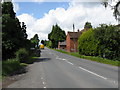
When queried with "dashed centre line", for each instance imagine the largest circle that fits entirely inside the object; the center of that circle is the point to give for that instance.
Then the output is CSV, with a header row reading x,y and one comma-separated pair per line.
x,y
44,87
44,84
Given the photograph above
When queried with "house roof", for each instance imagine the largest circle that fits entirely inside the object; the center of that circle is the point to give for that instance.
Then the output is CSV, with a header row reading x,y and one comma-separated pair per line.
x,y
74,34
62,43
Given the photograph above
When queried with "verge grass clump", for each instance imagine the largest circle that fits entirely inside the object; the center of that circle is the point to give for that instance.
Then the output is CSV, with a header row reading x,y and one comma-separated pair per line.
x,y
10,66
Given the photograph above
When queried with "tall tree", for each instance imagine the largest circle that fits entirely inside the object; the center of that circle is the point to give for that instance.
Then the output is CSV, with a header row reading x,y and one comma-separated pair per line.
x,y
7,8
56,35
13,35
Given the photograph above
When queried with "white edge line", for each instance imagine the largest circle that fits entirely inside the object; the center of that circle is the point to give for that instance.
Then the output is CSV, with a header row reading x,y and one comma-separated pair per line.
x,y
93,73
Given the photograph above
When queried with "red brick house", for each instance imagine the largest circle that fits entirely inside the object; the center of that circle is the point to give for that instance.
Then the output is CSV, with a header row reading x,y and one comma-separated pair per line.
x,y
62,45
72,41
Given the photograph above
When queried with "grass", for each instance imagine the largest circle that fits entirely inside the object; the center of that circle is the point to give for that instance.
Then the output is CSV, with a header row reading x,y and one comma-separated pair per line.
x,y
92,58
10,66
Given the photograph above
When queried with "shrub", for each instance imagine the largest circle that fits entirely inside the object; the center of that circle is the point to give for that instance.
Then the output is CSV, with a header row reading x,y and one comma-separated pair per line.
x,y
88,44
22,55
103,41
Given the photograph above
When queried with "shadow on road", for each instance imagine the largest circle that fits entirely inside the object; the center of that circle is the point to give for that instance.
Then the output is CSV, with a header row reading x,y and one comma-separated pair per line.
x,y
42,59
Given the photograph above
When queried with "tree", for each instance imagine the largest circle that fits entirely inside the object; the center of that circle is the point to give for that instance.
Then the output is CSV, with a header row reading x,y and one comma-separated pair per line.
x,y
13,34
35,41
103,41
7,8
87,25
42,41
115,7
109,41
56,35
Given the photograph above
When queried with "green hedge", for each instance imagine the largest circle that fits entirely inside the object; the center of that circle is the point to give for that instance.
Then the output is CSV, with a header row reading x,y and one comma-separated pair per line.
x,y
103,41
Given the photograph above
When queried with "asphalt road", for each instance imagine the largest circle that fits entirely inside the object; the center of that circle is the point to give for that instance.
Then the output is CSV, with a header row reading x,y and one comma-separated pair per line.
x,y
57,70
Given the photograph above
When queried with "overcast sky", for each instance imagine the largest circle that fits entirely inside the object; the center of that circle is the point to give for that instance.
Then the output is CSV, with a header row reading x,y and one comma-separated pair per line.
x,y
40,16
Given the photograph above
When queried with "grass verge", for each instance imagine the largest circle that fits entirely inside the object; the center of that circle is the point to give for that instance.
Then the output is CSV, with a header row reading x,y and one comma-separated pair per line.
x,y
10,66
92,58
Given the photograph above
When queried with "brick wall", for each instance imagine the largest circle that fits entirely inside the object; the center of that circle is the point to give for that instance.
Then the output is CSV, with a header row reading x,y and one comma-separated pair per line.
x,y
70,47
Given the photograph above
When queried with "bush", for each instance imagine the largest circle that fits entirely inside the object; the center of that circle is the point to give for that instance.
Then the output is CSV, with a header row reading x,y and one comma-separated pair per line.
x,y
22,55
103,41
9,66
88,44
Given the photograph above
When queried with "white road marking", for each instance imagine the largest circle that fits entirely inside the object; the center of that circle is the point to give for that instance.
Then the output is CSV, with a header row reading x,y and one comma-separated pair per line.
x,y
93,73
70,63
44,87
43,83
63,59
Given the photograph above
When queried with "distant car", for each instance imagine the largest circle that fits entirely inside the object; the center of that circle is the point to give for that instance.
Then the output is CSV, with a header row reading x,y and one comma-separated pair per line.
x,y
41,46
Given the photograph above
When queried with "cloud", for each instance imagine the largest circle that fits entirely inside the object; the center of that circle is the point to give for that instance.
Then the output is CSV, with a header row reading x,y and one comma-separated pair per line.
x,y
77,13
15,7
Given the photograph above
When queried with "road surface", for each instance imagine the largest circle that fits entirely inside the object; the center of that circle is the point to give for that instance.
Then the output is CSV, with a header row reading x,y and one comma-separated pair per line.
x,y
57,70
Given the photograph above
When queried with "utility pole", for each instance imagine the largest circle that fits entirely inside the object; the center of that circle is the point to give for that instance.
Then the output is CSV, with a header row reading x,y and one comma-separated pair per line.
x,y
73,27
74,36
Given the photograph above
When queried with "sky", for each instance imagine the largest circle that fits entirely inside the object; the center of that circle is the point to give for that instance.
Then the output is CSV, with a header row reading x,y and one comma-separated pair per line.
x,y
39,17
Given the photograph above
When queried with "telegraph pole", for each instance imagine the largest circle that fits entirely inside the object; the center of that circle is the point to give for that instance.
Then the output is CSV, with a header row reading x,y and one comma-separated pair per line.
x,y
74,36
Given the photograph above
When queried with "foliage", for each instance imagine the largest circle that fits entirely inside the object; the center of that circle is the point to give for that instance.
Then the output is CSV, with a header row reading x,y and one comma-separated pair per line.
x,y
88,44
88,25
108,36
43,42
56,35
14,35
115,7
48,44
7,8
22,55
103,41
10,66
35,41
